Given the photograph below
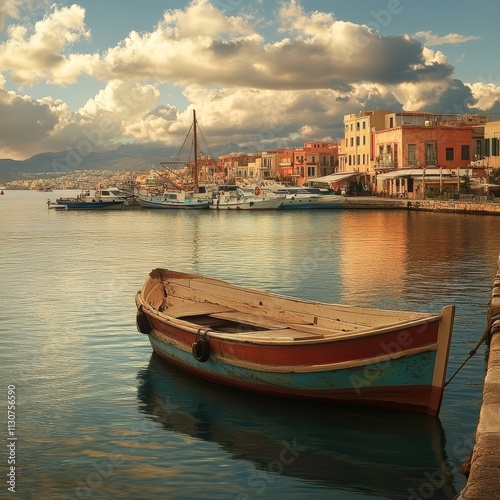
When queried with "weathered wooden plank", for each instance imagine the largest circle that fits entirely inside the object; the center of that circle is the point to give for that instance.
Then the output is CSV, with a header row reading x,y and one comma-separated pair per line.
x,y
195,309
250,319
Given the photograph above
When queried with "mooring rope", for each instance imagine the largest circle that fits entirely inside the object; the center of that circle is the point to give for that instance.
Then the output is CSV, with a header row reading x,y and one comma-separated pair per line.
x,y
471,353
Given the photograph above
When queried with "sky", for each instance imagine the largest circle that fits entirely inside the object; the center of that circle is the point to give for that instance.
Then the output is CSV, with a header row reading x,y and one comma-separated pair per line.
x,y
264,74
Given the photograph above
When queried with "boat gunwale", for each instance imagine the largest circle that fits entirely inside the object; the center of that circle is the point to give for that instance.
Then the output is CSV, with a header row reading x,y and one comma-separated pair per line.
x,y
245,337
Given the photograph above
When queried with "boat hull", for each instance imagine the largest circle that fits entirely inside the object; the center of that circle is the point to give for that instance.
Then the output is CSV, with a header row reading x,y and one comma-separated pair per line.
x,y
92,205
299,202
329,201
161,203
261,204
400,366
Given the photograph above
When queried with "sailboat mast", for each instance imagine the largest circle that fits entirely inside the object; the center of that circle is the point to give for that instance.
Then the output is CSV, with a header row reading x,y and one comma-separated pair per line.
x,y
195,151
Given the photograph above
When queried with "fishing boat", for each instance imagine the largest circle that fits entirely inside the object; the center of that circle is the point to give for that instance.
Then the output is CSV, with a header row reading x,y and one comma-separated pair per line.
x,y
173,198
179,190
289,347
233,197
99,199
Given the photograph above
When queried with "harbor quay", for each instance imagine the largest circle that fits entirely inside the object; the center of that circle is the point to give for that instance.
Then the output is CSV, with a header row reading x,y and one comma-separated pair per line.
x,y
448,206
483,471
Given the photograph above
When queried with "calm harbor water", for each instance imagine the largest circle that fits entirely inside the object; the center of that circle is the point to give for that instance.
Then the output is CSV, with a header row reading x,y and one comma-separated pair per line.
x,y
98,416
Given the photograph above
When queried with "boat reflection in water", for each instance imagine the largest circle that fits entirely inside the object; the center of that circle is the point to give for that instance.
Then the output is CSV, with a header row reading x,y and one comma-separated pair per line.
x,y
393,455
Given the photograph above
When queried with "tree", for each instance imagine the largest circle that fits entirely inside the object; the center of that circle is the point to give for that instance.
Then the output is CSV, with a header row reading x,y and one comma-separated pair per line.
x,y
494,177
465,184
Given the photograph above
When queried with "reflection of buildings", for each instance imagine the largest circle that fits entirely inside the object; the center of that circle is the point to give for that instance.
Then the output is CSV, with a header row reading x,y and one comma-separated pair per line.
x,y
373,254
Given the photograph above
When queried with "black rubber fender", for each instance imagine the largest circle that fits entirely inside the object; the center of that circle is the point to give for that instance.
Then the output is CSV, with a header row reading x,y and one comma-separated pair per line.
x,y
201,350
142,322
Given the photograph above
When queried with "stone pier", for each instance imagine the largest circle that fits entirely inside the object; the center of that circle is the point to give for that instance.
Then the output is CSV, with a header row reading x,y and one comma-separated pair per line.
x,y
483,482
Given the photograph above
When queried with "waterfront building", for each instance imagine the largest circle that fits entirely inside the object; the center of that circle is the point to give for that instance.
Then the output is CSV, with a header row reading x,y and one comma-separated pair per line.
x,y
269,168
239,166
314,159
356,149
491,157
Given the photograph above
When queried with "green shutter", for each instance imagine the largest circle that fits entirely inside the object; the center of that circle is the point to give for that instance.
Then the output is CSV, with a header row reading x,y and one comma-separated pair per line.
x,y
486,147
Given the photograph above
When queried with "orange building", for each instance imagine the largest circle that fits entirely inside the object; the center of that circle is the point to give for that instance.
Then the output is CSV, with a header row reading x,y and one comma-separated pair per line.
x,y
412,158
315,159
409,146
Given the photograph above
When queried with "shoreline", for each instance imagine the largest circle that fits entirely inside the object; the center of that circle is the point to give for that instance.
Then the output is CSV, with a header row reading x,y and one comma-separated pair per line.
x,y
452,206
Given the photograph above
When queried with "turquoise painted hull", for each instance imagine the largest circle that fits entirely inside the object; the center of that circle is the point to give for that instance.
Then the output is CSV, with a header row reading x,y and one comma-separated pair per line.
x,y
409,374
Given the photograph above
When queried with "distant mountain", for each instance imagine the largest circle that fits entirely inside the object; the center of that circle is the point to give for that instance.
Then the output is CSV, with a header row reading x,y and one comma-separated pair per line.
x,y
122,158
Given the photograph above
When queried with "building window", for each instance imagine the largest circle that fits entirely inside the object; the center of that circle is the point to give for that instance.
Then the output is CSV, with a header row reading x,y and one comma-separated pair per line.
x,y
391,122
494,147
430,153
357,125
359,157
357,141
465,152
352,142
412,154
449,154
478,150
364,125
311,172
364,140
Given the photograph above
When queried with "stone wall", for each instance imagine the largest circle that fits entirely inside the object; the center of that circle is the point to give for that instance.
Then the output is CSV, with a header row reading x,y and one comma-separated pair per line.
x,y
484,477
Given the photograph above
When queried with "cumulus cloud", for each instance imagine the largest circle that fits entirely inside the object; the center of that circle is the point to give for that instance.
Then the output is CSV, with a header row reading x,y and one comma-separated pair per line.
x,y
30,56
25,125
9,8
320,52
486,95
259,93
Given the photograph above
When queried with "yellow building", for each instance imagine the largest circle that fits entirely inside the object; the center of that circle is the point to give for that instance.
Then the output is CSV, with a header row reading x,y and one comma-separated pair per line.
x,y
491,145
356,150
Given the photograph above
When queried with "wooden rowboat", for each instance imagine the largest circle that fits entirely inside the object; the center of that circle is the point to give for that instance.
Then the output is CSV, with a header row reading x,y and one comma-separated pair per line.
x,y
288,347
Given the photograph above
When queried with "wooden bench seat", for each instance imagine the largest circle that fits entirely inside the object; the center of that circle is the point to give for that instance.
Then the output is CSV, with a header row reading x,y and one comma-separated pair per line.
x,y
249,319
195,309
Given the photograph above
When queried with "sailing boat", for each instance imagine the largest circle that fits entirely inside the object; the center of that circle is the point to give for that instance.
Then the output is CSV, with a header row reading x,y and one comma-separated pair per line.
x,y
178,192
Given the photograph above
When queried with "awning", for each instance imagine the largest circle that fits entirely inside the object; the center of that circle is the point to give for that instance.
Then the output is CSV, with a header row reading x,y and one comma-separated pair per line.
x,y
334,177
418,173
478,185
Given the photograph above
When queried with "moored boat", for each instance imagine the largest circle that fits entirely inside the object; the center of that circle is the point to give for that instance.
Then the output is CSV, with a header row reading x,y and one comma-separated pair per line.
x,y
178,192
233,197
100,199
288,347
173,198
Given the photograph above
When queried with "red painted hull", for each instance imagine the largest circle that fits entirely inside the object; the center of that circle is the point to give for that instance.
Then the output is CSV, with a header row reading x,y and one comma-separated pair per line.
x,y
400,364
